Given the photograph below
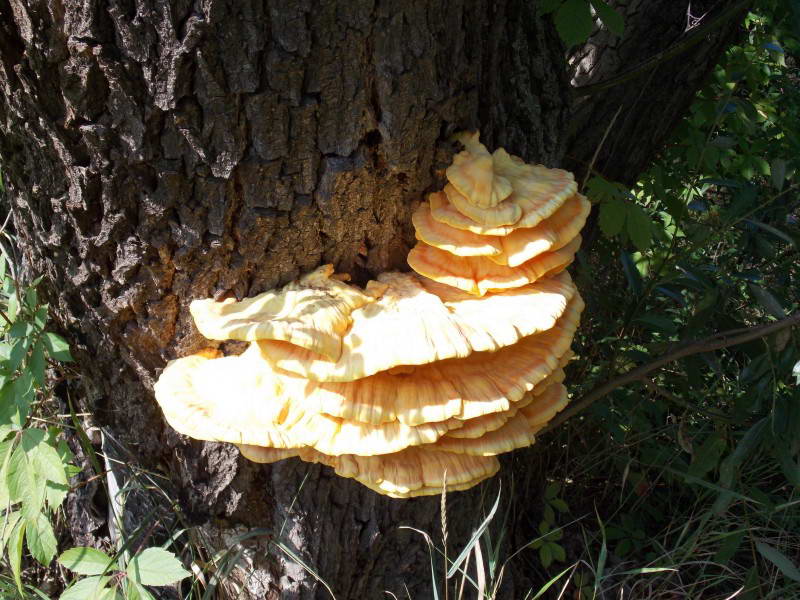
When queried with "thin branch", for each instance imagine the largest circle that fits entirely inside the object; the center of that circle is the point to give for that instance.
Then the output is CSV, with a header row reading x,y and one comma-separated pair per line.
x,y
694,36
599,147
714,342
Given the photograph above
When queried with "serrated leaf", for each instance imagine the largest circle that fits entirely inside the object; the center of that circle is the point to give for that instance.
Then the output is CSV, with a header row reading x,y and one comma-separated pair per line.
x,y
639,226
24,485
15,399
156,566
612,216
41,540
91,588
610,17
573,21
86,561
57,347
47,462
780,560
6,450
14,550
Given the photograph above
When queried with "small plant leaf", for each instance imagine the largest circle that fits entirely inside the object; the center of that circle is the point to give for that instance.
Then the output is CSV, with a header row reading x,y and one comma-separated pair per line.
x,y
57,347
156,566
780,560
14,549
37,363
546,555
91,588
612,217
86,561
41,540
610,18
639,226
574,22
136,591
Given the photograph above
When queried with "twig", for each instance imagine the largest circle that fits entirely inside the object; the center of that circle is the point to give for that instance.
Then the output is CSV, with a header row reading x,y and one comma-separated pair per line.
x,y
714,342
599,147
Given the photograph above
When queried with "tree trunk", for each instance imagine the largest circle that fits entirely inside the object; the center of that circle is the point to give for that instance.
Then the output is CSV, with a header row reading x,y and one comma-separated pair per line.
x,y
158,151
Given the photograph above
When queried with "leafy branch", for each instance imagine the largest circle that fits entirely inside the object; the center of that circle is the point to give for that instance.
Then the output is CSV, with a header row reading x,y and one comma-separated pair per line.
x,y
732,337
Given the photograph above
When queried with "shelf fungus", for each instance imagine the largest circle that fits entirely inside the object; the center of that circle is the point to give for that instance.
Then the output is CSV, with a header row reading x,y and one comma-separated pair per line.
x,y
418,381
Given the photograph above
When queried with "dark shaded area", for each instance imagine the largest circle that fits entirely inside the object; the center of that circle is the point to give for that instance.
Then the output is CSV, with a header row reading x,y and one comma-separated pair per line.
x,y
649,105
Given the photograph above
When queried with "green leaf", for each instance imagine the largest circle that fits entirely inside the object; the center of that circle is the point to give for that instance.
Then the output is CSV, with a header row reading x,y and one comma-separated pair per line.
x,y
767,300
24,485
549,514
610,18
13,307
546,555
32,297
57,347
639,226
658,322
559,554
136,591
86,561
20,329
6,450
91,588
707,455
780,560
18,351
40,318
733,461
41,540
778,176
631,273
552,490
574,22
14,549
37,363
156,566
612,216
730,544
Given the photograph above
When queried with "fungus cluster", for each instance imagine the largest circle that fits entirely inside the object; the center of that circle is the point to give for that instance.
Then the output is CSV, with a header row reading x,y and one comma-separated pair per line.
x,y
418,381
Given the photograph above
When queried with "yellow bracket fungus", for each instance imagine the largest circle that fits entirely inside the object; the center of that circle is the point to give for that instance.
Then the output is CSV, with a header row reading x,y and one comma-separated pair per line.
x,y
415,383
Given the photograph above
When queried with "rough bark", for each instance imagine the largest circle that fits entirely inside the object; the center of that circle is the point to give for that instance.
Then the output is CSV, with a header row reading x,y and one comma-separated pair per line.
x,y
158,151
636,114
